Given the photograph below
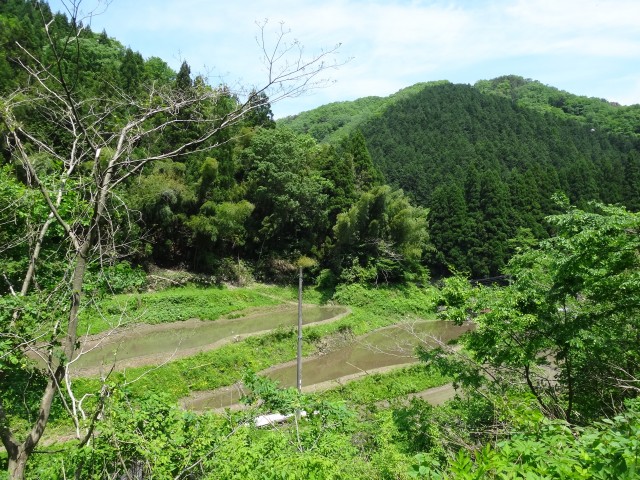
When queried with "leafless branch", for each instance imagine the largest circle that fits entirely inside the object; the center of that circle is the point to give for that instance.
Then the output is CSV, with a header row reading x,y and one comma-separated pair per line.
x,y
100,151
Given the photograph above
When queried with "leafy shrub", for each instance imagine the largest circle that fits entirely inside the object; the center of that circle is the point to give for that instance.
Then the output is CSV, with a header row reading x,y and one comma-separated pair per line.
x,y
114,279
609,449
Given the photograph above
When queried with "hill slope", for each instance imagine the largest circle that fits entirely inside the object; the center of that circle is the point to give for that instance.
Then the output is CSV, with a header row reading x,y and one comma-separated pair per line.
x,y
330,123
595,112
487,159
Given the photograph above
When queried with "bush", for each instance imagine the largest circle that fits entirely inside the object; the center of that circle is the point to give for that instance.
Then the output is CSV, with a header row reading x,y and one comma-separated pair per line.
x,y
114,279
235,272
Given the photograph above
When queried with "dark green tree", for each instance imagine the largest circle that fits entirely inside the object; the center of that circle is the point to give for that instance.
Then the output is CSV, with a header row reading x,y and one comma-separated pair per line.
x,y
366,174
449,228
288,193
131,70
632,180
339,171
183,78
260,114
73,140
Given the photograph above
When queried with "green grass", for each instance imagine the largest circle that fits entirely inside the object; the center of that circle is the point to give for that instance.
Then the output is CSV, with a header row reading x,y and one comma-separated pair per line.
x,y
206,370
393,302
290,294
372,308
386,386
170,305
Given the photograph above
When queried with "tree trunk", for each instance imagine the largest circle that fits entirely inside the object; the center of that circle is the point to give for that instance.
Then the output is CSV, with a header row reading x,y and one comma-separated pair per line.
x,y
19,453
17,465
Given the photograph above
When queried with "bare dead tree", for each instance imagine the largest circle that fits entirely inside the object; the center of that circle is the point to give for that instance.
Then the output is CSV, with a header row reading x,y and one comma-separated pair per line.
x,y
101,150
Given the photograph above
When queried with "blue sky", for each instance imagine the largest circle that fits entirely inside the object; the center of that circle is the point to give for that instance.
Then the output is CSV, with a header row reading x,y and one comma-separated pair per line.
x,y
586,47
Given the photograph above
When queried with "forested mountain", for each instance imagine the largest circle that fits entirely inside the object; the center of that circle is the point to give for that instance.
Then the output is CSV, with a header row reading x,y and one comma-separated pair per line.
x,y
487,159
112,165
332,122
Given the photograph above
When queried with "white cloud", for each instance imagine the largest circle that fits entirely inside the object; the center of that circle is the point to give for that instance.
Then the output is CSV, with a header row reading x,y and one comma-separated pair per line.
x,y
396,43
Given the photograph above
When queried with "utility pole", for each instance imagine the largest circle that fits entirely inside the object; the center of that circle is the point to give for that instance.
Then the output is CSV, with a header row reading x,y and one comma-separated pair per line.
x,y
302,263
299,366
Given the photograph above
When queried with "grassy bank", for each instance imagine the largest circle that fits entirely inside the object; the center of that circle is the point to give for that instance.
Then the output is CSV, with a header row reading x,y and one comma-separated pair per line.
x,y
372,308
388,386
175,304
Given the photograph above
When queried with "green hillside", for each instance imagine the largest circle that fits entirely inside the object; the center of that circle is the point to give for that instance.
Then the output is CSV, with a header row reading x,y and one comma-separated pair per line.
x,y
597,113
175,220
487,159
331,122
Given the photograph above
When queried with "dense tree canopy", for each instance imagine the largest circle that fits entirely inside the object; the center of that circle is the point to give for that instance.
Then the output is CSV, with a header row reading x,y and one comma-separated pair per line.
x,y
381,237
99,148
287,190
567,323
503,145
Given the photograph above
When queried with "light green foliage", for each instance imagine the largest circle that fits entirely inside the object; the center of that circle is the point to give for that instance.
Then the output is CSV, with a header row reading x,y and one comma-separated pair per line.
x,y
553,450
116,279
170,306
373,308
23,215
381,238
570,313
156,69
335,121
289,293
265,394
151,436
392,302
389,386
14,217
229,220
207,370
595,112
154,437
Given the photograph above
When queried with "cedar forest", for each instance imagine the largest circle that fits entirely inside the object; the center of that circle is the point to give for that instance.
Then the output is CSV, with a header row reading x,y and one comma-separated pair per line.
x,y
134,194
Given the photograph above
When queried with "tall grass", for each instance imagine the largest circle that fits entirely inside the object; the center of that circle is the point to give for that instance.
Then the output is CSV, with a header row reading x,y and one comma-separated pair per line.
x,y
386,386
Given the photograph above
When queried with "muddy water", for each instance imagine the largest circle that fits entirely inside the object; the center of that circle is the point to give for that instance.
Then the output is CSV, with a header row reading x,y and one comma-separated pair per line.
x,y
146,344
377,351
